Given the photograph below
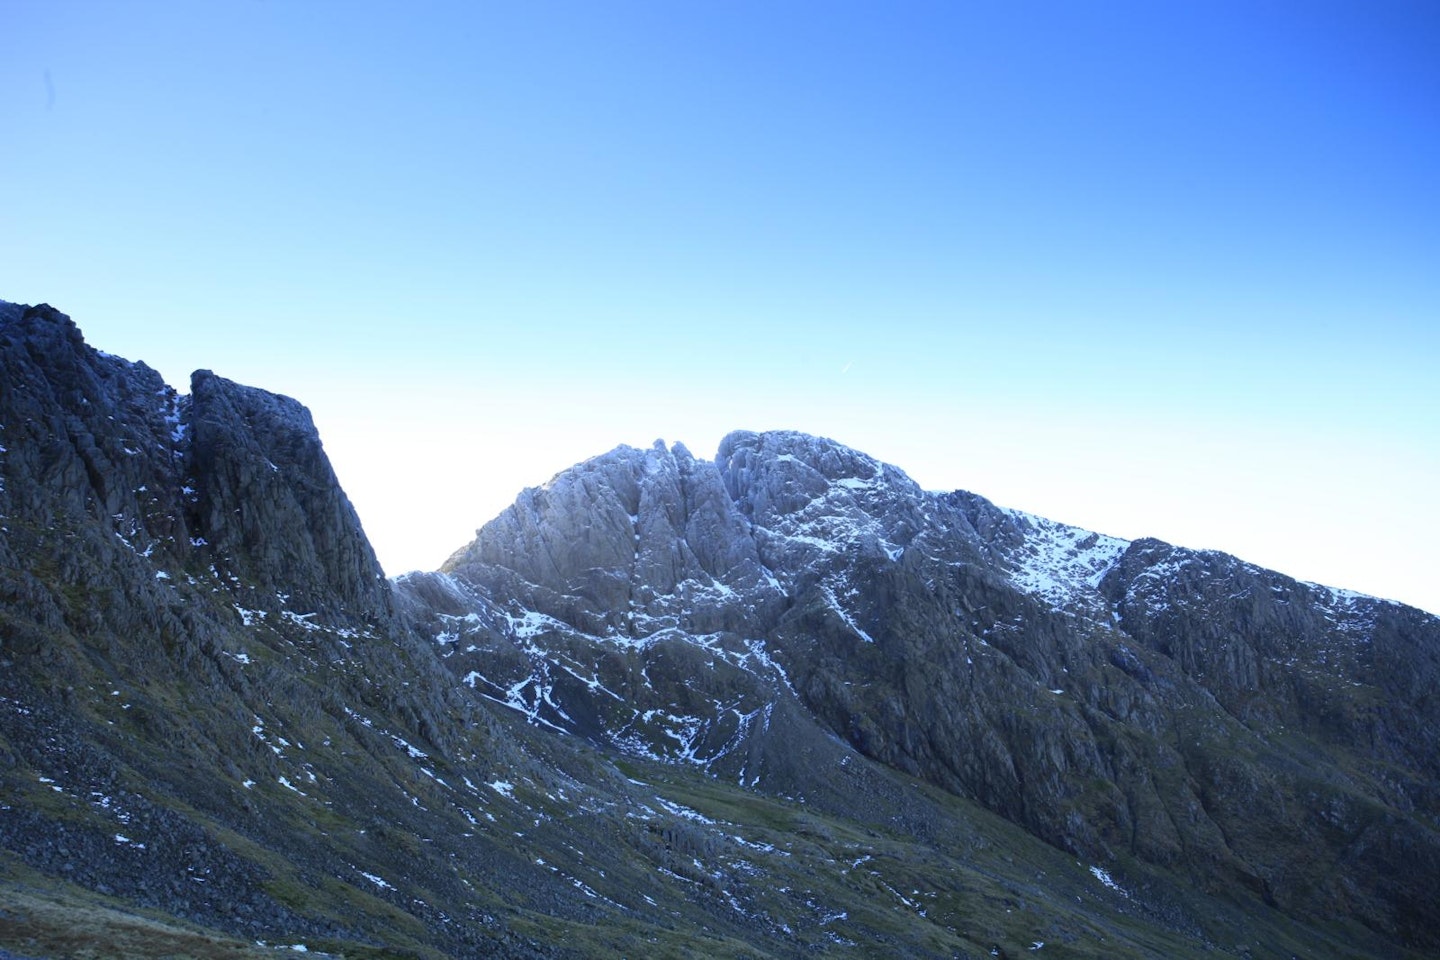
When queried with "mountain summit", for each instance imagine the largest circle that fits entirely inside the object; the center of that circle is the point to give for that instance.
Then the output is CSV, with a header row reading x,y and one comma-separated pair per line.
x,y
1116,699
775,704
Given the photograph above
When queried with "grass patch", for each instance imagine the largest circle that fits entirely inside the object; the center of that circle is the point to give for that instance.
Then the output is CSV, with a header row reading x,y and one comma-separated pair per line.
x,y
77,926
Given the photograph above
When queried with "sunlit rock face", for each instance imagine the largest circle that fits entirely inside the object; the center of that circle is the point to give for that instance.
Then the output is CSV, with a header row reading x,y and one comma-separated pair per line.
x,y
1116,698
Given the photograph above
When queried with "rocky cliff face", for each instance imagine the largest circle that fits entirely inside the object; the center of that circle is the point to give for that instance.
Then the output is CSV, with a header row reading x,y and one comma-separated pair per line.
x,y
266,502
1118,699
230,479
199,656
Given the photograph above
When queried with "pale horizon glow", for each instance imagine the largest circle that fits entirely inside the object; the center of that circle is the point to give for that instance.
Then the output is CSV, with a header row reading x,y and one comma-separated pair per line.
x,y
1152,272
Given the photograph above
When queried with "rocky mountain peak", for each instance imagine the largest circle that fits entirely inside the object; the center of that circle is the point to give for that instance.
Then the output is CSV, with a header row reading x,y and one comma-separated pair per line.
x,y
607,543
230,478
268,506
999,655
88,435
774,474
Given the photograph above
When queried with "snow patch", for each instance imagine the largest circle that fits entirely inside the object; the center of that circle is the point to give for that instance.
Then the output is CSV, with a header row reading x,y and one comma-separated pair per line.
x,y
250,617
834,604
1103,875
1061,564
529,624
683,812
376,880
414,752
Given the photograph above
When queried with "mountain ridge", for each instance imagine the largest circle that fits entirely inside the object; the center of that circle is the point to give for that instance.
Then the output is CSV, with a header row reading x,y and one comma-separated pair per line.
x,y
778,703
801,501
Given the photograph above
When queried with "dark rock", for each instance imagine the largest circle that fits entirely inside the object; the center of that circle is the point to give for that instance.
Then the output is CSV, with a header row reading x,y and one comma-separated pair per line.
x,y
269,507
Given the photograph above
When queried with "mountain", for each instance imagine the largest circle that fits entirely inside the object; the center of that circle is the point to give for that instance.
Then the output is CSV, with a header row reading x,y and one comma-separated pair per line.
x,y
1119,700
778,704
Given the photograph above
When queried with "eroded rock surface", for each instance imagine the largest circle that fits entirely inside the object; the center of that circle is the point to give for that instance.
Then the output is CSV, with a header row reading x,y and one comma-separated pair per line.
x,y
1115,698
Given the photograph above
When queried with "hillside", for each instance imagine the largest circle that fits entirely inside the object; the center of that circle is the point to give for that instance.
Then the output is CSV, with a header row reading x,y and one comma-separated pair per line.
x,y
779,703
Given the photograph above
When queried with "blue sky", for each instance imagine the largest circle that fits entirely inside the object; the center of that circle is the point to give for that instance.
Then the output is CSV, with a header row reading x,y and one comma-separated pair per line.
x,y
1153,268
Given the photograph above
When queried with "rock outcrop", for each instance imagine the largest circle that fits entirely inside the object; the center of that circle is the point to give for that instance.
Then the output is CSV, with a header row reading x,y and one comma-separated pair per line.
x,y
106,465
267,504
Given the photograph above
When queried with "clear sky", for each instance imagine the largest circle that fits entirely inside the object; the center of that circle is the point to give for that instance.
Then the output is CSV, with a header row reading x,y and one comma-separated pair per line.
x,y
1153,268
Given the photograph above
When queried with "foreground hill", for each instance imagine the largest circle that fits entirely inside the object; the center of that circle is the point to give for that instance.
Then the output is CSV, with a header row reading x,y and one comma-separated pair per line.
x,y
778,704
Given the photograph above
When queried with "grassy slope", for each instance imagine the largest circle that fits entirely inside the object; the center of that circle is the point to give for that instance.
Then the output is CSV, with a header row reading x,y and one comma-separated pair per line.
x,y
686,866
268,754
